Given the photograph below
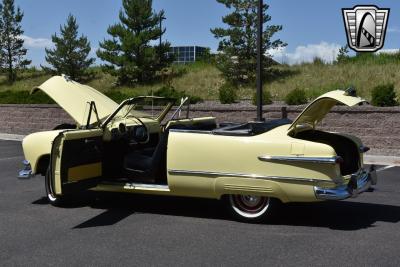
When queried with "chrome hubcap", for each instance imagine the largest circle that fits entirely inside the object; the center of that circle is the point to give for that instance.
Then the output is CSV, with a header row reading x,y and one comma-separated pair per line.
x,y
249,206
250,201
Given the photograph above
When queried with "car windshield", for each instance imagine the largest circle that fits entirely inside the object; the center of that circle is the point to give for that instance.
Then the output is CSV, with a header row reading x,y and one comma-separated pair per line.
x,y
145,107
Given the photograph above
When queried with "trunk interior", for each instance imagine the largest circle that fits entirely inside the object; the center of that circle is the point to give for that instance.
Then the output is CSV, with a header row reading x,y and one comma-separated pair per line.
x,y
343,146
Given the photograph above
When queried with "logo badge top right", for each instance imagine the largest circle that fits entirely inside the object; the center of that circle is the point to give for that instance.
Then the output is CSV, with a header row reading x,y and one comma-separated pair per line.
x,y
365,27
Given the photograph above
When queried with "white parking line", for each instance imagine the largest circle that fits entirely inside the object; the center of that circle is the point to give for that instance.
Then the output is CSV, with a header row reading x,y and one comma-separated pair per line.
x,y
10,158
385,168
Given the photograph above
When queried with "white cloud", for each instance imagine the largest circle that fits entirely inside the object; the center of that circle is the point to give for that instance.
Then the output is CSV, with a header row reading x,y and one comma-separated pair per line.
x,y
388,51
393,29
326,51
36,42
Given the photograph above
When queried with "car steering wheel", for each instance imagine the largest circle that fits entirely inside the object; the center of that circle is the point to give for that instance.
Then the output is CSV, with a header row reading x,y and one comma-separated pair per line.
x,y
146,134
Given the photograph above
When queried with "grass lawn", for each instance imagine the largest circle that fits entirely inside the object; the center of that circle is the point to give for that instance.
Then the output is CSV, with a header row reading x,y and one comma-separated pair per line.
x,y
203,80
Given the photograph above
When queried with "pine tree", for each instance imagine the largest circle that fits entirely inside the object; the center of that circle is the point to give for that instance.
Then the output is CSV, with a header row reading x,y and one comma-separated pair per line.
x,y
238,42
343,54
70,55
12,52
129,53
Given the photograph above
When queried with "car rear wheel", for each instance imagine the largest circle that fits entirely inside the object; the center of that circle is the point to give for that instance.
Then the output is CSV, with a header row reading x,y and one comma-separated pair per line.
x,y
50,192
250,208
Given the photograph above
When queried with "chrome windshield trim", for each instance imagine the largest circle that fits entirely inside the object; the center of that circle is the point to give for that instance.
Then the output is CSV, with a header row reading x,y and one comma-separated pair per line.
x,y
325,160
245,175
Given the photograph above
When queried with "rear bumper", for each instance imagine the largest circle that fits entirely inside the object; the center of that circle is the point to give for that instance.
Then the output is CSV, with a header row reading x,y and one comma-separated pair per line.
x,y
358,184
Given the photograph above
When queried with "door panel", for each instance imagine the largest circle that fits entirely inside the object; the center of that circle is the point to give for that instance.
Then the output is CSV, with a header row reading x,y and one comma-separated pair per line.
x,y
77,160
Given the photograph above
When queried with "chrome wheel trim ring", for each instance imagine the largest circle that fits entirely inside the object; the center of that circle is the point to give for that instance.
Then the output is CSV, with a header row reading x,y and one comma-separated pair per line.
x,y
51,197
50,194
249,206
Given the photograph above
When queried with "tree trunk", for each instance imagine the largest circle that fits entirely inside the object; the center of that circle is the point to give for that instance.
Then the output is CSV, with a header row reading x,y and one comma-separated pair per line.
x,y
10,67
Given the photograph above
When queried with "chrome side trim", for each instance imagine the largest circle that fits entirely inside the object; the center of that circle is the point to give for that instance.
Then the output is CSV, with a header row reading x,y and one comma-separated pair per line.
x,y
26,172
138,186
331,160
244,175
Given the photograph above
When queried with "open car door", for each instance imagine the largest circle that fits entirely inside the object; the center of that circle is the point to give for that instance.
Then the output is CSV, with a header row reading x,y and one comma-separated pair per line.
x,y
76,160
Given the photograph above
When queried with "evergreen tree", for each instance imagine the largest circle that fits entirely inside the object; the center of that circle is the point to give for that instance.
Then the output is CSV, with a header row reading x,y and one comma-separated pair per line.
x,y
12,54
129,53
343,54
238,42
70,55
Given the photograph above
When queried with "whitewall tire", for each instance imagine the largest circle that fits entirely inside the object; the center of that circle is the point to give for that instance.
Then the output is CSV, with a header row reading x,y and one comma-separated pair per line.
x,y
250,208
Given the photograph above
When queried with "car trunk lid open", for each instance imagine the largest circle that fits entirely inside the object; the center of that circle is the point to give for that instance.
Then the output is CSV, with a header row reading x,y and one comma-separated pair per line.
x,y
317,110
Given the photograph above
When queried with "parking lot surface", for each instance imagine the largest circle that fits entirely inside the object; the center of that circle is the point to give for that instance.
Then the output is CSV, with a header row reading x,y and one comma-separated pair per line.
x,y
124,229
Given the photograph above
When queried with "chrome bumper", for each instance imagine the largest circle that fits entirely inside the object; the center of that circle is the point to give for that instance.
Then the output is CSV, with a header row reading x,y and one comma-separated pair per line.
x,y
26,172
357,185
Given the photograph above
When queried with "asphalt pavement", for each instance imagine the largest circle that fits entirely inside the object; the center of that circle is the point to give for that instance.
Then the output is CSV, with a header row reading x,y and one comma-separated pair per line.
x,y
130,230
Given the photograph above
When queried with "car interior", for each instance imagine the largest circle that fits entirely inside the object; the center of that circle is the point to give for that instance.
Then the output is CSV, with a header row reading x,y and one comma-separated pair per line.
x,y
131,159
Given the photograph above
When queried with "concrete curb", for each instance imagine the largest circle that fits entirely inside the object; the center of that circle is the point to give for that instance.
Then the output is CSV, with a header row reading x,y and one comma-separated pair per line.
x,y
11,137
382,160
368,159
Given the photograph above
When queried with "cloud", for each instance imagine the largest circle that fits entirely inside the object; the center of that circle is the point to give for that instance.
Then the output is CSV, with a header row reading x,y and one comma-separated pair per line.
x,y
394,30
32,42
388,51
326,51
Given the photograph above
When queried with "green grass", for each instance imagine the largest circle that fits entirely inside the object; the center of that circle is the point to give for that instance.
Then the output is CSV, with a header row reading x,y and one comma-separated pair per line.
x,y
201,79
364,72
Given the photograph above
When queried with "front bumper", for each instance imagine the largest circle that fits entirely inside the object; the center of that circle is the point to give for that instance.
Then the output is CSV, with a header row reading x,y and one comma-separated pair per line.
x,y
26,172
358,184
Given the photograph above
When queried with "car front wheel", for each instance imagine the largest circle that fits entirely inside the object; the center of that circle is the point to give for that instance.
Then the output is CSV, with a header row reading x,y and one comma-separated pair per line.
x,y
251,208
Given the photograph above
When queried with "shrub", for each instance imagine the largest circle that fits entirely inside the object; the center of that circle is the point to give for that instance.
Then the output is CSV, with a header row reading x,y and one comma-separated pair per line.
x,y
171,92
384,96
24,97
266,98
118,96
227,93
318,61
296,97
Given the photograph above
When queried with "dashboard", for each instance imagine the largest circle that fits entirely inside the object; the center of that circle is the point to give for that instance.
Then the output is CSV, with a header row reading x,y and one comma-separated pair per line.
x,y
133,133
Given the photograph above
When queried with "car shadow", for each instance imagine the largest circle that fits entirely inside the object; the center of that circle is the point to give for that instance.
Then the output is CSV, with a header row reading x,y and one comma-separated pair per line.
x,y
336,215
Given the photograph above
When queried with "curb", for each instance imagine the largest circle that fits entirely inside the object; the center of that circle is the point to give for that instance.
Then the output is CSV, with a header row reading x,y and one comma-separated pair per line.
x,y
11,137
368,159
382,160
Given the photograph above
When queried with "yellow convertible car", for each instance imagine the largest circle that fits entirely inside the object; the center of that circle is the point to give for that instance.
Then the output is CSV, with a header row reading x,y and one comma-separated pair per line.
x,y
144,146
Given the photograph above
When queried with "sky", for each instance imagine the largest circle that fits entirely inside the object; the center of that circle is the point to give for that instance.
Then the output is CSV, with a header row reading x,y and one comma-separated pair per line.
x,y
311,28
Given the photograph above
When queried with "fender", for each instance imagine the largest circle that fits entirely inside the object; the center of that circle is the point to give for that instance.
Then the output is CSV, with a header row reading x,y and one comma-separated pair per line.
x,y
37,145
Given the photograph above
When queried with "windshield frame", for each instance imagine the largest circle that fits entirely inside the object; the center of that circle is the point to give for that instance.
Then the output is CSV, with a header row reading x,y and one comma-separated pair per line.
x,y
135,100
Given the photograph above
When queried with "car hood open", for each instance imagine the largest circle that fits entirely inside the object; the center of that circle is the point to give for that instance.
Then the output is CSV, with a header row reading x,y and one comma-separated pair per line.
x,y
321,106
74,97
